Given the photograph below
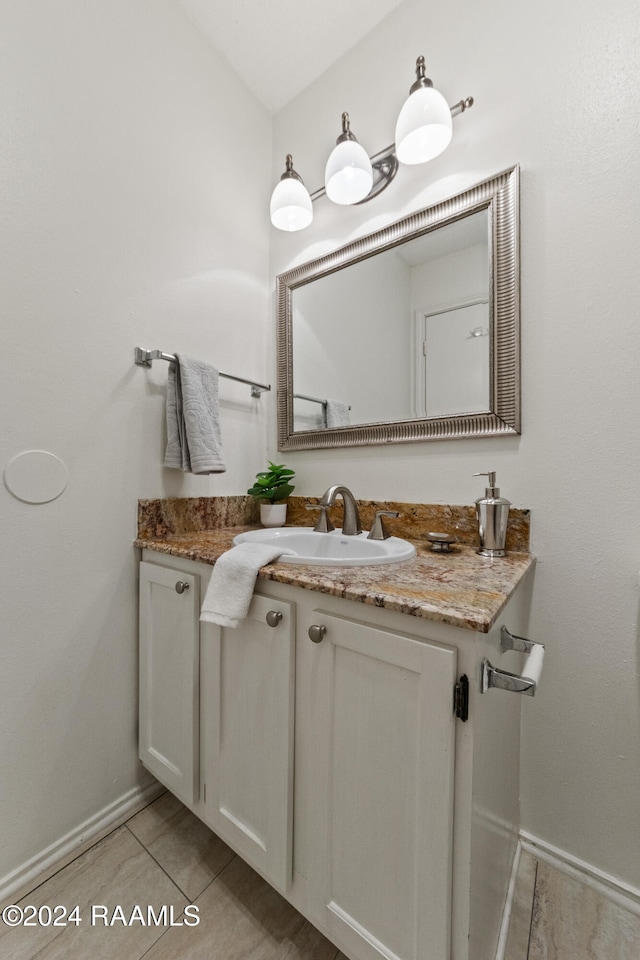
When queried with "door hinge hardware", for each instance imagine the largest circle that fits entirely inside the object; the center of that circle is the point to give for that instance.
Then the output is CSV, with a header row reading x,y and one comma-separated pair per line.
x,y
461,698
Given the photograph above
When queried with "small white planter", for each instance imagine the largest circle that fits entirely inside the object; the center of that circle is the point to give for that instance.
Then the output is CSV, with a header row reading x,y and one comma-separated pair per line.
x,y
273,514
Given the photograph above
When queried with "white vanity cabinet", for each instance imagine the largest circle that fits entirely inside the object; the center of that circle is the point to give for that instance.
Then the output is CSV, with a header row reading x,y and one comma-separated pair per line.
x,y
170,677
332,760
216,709
247,714
374,771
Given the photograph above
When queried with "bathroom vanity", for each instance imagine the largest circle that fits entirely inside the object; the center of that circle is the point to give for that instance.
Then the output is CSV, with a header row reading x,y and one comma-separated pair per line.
x,y
340,744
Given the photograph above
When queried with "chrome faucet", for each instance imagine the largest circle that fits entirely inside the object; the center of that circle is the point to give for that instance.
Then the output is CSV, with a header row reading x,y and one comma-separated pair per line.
x,y
351,522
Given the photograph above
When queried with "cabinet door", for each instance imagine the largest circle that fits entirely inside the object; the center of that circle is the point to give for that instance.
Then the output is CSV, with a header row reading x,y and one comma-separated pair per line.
x,y
169,671
247,713
386,752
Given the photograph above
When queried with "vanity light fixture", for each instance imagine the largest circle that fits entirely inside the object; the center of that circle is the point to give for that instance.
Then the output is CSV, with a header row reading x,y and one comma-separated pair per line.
x,y
348,176
424,127
423,131
291,207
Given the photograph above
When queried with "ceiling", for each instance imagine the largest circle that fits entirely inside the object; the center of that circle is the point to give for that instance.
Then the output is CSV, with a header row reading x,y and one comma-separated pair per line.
x,y
279,47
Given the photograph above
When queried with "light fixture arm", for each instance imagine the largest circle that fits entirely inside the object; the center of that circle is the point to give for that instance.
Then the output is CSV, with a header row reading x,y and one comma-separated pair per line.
x,y
384,166
461,106
384,163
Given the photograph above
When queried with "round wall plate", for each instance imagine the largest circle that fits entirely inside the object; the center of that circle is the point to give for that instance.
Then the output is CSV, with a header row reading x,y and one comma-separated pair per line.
x,y
36,476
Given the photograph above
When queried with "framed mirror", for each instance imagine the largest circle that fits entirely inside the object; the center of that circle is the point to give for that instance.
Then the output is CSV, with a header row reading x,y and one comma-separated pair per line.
x,y
410,333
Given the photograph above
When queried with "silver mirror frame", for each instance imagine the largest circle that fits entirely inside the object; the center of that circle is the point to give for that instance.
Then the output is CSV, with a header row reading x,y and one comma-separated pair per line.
x,y
500,197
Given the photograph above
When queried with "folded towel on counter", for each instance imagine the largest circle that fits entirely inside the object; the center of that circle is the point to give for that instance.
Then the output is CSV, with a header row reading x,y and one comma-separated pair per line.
x,y
194,442
230,589
337,414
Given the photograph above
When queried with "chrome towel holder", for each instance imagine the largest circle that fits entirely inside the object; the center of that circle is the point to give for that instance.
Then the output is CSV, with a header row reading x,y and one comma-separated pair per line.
x,y
531,671
144,358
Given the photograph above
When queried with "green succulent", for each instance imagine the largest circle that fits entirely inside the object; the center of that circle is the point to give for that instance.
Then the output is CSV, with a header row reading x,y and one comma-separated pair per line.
x,y
273,484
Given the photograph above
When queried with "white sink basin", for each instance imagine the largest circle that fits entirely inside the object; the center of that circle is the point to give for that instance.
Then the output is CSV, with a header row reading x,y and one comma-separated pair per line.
x,y
330,549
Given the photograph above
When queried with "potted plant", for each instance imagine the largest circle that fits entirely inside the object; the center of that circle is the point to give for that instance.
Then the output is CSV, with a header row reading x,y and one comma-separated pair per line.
x,y
271,488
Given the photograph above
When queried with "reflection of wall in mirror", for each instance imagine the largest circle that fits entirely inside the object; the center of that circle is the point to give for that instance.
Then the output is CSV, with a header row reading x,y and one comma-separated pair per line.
x,y
450,306
352,338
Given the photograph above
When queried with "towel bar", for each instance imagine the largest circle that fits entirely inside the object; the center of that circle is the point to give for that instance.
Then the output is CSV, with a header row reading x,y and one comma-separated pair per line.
x,y
531,671
304,396
144,358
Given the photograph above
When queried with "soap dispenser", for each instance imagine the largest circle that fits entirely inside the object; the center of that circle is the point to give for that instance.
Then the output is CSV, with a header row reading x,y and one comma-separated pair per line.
x,y
492,512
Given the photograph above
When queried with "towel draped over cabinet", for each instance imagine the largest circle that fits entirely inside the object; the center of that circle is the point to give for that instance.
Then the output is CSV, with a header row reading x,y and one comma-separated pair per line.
x,y
232,582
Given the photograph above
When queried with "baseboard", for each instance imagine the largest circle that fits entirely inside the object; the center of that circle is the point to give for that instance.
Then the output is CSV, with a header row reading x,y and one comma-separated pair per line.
x,y
606,885
72,844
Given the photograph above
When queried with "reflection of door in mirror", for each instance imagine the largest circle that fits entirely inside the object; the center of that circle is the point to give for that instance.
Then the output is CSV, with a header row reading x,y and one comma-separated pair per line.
x,y
450,302
453,366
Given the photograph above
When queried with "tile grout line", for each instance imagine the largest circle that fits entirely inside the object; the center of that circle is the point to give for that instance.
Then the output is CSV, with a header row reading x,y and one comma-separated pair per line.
x,y
166,873
154,944
533,903
165,932
175,882
149,854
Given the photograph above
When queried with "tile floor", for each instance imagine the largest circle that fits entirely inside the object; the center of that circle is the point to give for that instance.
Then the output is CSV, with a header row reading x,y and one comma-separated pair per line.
x,y
558,918
164,856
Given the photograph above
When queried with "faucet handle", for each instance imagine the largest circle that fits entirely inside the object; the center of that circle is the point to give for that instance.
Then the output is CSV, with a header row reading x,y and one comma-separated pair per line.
x,y
323,524
378,529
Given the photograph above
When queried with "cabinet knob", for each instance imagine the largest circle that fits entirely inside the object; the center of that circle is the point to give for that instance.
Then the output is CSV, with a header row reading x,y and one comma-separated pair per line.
x,y
273,618
317,632
181,586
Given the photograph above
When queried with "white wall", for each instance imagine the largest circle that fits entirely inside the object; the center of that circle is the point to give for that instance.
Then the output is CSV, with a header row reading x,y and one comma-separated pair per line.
x,y
134,185
332,359
556,88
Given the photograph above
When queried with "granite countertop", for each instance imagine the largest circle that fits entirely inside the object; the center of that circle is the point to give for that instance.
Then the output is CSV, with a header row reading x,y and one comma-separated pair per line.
x,y
458,588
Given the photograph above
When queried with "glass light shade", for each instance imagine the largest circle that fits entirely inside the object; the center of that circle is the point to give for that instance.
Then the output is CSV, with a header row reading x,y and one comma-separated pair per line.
x,y
424,126
291,207
348,176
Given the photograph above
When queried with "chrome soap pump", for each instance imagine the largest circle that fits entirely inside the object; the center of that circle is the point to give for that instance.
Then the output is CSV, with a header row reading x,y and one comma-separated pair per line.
x,y
492,512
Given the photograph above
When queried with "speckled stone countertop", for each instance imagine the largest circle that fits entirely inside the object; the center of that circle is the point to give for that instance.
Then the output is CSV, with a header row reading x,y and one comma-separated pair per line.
x,y
458,588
